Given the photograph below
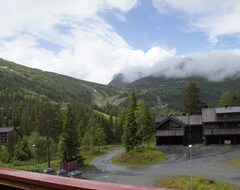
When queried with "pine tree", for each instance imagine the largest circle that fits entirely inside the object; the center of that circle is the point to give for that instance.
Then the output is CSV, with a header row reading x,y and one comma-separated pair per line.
x,y
236,98
192,101
144,122
68,144
120,123
100,137
129,139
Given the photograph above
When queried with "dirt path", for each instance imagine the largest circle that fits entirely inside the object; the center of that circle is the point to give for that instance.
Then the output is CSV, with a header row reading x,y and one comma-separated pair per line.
x,y
207,161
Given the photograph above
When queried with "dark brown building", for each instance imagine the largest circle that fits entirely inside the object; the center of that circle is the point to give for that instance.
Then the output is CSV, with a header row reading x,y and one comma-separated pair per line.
x,y
221,125
214,126
179,129
8,135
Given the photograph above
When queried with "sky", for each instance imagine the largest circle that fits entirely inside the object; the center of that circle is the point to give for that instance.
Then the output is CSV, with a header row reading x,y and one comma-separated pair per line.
x,y
95,39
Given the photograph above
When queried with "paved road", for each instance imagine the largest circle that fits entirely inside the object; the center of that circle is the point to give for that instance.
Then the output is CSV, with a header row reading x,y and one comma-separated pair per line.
x,y
207,161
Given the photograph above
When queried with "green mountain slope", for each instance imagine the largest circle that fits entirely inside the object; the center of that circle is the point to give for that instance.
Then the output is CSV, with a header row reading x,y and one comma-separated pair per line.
x,y
20,83
172,90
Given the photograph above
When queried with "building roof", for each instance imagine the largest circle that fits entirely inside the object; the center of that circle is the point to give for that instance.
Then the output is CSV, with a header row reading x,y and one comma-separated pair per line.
x,y
184,120
228,109
208,115
162,120
6,129
191,119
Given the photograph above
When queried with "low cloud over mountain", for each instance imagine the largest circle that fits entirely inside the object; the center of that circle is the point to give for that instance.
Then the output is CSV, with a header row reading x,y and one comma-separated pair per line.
x,y
216,65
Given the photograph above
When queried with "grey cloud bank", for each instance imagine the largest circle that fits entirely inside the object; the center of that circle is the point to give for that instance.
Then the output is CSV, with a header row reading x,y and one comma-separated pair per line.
x,y
215,66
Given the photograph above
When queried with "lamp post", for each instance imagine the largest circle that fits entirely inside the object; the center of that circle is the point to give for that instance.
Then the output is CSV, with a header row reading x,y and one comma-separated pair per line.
x,y
190,155
34,157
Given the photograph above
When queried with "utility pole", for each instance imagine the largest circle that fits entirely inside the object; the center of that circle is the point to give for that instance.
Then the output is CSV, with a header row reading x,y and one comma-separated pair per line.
x,y
34,157
190,155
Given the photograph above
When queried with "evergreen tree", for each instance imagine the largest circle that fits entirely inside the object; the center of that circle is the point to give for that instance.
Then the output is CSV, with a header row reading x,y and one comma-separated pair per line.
x,y
192,101
45,117
68,144
100,137
144,122
129,138
236,98
27,120
121,121
108,128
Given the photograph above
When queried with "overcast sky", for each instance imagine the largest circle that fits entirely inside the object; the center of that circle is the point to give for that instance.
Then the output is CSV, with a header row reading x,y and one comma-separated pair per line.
x,y
95,39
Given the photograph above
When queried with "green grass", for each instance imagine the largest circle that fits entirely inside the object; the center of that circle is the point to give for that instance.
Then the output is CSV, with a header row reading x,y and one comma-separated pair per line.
x,y
88,156
183,183
233,162
146,157
29,165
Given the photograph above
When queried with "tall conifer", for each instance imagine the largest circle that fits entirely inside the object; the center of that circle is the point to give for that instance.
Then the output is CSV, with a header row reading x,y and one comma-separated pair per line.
x,y
129,138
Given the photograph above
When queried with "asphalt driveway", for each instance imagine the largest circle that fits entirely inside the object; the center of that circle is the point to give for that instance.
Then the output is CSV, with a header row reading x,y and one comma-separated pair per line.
x,y
207,161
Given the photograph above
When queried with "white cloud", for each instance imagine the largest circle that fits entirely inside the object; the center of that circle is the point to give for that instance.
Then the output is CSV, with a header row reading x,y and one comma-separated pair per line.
x,y
90,50
216,65
213,17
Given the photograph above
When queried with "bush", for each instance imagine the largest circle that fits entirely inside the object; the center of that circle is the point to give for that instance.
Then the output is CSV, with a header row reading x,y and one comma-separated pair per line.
x,y
5,156
22,151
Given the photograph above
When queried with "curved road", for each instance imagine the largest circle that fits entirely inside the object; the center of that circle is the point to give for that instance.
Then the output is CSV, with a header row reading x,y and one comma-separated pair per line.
x,y
207,161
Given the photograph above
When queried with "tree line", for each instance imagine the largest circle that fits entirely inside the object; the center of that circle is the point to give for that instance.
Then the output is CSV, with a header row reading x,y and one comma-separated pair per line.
x,y
62,129
193,103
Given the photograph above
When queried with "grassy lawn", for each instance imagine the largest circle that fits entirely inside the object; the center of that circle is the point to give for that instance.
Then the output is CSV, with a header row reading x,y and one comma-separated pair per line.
x,y
183,183
233,162
88,156
146,157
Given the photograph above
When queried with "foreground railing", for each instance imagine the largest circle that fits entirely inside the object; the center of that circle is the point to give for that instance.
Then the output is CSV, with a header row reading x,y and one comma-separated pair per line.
x,y
19,180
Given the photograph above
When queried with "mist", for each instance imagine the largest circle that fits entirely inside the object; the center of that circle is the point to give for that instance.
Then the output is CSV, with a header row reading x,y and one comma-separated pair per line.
x,y
215,66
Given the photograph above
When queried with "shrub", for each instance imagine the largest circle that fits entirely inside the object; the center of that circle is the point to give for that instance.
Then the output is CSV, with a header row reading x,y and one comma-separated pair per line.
x,y
5,156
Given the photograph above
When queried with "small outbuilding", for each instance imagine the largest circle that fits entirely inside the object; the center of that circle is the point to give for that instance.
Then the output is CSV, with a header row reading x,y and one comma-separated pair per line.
x,y
8,135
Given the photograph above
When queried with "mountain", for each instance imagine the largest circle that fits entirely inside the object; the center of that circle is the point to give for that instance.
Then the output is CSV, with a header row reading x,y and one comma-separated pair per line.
x,y
170,92
117,80
20,84
23,84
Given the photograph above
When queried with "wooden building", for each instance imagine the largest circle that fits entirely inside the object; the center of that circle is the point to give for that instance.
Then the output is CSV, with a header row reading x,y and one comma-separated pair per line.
x,y
170,130
221,125
8,135
214,126
179,129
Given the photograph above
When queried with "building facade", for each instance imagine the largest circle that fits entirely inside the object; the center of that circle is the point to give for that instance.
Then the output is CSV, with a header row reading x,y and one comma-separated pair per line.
x,y
214,126
8,135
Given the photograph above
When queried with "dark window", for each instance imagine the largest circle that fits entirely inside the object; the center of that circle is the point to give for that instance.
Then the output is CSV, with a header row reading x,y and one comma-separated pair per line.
x,y
3,138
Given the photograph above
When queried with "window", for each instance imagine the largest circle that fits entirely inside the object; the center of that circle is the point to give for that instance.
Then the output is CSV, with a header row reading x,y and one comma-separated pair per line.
x,y
3,138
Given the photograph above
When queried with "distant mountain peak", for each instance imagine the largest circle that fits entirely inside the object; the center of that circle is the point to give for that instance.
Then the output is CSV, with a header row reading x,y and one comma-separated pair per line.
x,y
118,80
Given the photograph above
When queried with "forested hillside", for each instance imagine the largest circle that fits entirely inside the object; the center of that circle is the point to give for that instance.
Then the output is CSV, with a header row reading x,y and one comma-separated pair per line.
x,y
171,91
21,84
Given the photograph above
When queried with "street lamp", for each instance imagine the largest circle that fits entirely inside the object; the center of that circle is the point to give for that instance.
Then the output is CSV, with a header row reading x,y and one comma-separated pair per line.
x,y
34,157
190,154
